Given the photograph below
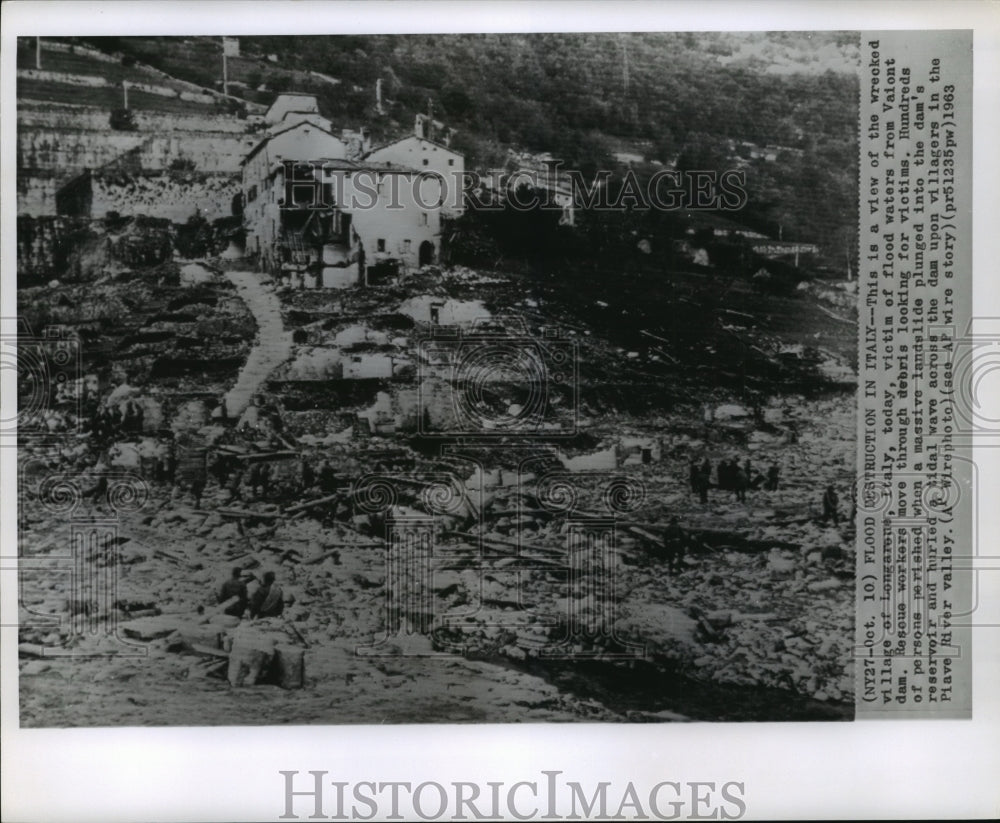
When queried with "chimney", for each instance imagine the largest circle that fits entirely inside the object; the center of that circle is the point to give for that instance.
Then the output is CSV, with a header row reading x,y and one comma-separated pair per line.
x,y
418,126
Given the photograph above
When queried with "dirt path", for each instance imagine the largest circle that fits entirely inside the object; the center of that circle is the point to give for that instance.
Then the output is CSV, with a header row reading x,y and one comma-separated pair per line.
x,y
274,343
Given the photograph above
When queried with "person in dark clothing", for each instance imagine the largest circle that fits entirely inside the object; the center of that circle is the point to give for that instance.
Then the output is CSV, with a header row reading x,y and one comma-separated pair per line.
x,y
198,489
236,482
308,475
235,587
722,474
327,478
830,504
219,469
674,542
740,483
128,419
268,600
171,465
773,474
260,478
702,486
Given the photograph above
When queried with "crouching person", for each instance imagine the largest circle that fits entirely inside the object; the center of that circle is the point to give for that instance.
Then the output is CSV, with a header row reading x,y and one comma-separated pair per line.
x,y
233,593
269,599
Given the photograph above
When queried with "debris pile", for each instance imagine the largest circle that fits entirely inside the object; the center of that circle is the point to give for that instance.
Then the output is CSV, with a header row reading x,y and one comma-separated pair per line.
x,y
420,577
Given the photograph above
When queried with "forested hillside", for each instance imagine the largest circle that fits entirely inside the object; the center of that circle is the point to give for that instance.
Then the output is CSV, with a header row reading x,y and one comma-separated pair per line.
x,y
689,98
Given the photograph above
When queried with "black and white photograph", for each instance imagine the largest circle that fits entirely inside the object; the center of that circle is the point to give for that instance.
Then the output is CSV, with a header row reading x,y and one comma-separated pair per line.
x,y
506,410
458,378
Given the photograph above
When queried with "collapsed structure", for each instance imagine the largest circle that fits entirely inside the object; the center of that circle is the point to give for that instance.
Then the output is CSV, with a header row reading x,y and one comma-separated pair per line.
x,y
325,210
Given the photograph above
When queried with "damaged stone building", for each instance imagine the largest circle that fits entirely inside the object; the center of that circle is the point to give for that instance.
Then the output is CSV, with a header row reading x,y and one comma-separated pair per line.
x,y
324,211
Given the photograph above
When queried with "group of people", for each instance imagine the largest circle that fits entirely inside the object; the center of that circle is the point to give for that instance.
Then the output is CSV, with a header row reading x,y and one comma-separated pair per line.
x,y
262,480
731,476
268,600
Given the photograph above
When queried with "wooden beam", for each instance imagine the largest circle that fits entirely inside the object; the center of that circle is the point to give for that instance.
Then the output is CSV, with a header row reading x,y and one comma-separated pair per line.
x,y
311,504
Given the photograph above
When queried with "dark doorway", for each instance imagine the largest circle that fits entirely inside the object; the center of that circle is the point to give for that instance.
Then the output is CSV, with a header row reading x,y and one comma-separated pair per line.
x,y
426,253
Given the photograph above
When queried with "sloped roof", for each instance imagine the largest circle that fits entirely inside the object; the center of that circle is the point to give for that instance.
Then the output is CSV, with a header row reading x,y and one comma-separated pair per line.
x,y
269,137
415,137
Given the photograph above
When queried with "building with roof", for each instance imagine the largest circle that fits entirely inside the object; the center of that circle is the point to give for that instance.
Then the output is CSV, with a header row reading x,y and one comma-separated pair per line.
x,y
422,152
318,218
289,102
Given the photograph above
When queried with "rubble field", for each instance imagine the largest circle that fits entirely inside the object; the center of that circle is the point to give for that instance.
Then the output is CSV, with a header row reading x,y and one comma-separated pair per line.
x,y
223,420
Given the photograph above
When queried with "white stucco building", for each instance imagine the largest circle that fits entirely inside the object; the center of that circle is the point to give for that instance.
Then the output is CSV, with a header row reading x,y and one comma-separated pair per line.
x,y
419,151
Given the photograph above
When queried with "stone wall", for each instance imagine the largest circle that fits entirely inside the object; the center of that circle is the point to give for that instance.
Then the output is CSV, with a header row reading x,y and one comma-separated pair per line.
x,y
70,152
92,118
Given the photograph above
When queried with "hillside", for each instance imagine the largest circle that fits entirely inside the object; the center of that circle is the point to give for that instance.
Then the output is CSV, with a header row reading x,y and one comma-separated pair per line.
x,y
689,99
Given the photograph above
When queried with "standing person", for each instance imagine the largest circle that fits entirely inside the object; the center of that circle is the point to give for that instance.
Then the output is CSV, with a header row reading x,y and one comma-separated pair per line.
x,y
128,418
234,587
702,482
308,475
740,483
219,469
268,600
198,489
773,473
327,477
674,541
694,472
830,504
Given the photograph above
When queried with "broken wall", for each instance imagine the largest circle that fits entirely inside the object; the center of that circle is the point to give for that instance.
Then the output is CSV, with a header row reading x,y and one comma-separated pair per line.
x,y
172,197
